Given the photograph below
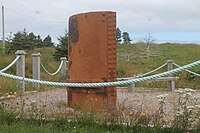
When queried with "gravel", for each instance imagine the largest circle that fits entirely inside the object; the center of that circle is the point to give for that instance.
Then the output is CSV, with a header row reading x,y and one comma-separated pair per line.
x,y
56,100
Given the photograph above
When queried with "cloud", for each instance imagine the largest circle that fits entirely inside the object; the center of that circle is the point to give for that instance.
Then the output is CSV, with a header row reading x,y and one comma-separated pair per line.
x,y
135,16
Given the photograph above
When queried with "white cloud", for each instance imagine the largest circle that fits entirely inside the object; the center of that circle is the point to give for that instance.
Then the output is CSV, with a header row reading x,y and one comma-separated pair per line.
x,y
136,16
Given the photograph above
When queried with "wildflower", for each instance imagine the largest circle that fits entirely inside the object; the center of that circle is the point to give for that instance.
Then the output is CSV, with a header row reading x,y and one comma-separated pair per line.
x,y
130,113
161,100
186,90
8,96
15,93
178,113
197,97
189,90
190,108
33,101
197,106
143,113
11,92
162,96
14,96
95,99
180,91
189,94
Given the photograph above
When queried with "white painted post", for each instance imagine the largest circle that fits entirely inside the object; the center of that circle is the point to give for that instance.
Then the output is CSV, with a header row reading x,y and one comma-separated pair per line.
x,y
20,68
36,69
64,68
171,83
131,87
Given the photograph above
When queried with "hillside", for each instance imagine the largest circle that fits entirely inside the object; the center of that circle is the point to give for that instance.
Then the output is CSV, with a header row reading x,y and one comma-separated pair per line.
x,y
180,53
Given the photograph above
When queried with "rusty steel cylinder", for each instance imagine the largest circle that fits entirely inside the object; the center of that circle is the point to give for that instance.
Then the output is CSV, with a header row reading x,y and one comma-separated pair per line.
x,y
92,58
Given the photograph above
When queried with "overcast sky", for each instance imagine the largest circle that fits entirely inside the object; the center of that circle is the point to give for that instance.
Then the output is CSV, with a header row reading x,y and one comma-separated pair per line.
x,y
167,20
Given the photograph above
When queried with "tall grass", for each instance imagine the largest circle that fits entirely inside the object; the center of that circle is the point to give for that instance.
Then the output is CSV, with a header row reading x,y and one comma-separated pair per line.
x,y
23,117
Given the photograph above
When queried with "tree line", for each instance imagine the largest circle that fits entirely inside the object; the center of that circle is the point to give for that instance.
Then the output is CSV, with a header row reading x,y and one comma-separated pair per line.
x,y
28,41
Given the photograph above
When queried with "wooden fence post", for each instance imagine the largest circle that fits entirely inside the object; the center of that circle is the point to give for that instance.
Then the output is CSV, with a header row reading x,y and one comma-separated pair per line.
x,y
131,87
171,83
36,69
20,68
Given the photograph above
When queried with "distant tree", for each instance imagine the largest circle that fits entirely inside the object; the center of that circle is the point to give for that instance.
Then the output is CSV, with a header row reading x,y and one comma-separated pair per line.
x,y
47,42
26,41
38,42
20,40
126,38
8,43
62,47
127,55
1,47
33,39
118,35
149,41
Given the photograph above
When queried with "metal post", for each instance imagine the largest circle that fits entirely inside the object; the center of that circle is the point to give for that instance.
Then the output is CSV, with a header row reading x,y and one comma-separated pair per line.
x,y
20,68
36,69
171,83
131,87
3,29
64,68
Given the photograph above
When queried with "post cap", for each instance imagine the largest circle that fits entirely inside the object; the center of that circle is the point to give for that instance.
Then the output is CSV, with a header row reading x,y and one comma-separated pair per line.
x,y
35,54
20,52
169,60
63,58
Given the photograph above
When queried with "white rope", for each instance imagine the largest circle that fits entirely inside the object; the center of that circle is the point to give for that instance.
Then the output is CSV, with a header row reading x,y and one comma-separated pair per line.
x,y
196,74
142,75
104,84
10,65
52,74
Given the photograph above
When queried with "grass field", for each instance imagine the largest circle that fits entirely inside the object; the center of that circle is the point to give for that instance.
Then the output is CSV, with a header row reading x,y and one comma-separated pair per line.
x,y
81,124
73,128
180,53
132,60
49,62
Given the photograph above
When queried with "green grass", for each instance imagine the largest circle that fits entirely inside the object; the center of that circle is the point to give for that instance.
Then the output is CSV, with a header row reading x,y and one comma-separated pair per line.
x,y
7,85
122,119
180,53
79,127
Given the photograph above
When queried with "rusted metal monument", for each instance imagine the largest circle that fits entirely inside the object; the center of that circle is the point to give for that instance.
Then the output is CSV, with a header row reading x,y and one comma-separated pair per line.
x,y
92,58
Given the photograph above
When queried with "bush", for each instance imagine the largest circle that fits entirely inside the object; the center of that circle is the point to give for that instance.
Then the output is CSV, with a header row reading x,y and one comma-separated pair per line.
x,y
121,72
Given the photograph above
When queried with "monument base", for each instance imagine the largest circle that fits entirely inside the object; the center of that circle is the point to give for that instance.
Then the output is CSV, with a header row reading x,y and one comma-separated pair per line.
x,y
92,99
92,59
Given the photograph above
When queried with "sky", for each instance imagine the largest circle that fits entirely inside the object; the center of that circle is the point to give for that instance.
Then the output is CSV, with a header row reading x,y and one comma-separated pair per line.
x,y
166,20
